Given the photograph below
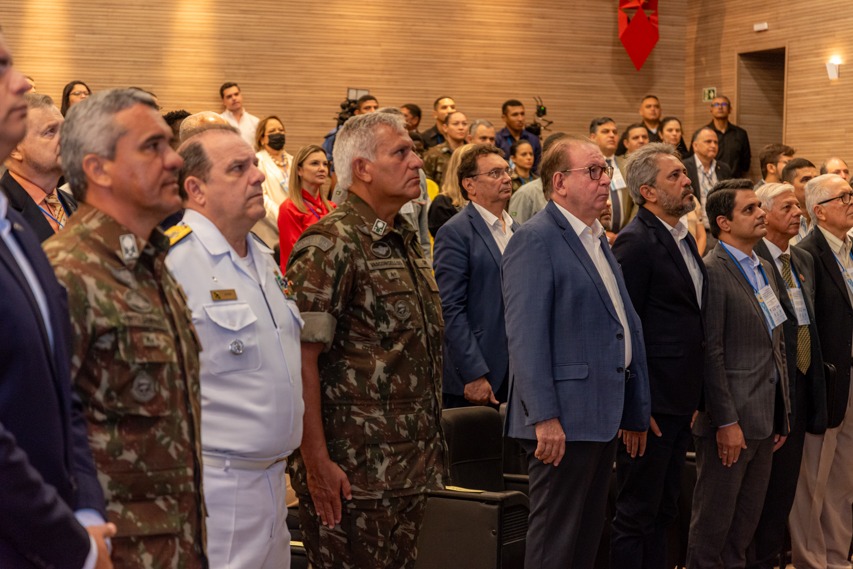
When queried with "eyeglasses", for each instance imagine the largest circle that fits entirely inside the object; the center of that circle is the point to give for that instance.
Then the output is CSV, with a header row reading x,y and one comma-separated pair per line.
x,y
80,93
595,171
495,174
845,198
720,105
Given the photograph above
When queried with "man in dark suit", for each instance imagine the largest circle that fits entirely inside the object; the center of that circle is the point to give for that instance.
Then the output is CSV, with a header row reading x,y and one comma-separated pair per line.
x,y
33,170
45,464
603,132
793,270
821,525
468,251
746,383
579,372
665,277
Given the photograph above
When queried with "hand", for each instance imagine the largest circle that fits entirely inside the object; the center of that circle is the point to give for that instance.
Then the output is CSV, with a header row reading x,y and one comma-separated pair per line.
x,y
635,441
551,441
653,426
730,442
326,483
778,441
479,392
100,534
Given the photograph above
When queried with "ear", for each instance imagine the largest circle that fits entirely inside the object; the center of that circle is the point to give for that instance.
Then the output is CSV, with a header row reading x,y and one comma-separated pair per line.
x,y
16,154
468,183
98,169
818,213
195,190
724,223
649,193
361,169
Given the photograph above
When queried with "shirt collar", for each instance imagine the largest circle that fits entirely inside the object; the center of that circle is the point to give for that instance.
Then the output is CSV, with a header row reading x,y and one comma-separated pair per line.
x,y
740,256
491,219
596,230
701,168
775,251
37,194
679,232
839,247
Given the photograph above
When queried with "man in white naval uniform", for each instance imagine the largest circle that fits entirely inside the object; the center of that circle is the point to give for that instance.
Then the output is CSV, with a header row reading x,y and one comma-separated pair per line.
x,y
251,384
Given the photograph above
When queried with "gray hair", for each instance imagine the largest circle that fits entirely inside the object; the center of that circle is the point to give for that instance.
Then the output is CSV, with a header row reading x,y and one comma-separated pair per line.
x,y
768,193
472,128
557,159
818,190
90,128
358,138
38,101
642,167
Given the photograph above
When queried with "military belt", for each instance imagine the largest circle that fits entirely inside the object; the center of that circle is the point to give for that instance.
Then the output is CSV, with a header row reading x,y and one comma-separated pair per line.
x,y
227,462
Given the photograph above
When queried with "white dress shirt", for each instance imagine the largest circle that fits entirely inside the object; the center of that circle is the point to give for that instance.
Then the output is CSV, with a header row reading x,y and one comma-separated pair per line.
x,y
500,228
707,180
679,234
246,125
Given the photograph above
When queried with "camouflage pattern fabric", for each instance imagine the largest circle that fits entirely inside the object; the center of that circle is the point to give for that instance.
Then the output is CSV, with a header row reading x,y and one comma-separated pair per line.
x,y
366,292
435,162
373,534
135,366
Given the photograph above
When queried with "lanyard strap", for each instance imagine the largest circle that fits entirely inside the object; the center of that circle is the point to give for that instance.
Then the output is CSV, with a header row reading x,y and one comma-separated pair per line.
x,y
740,268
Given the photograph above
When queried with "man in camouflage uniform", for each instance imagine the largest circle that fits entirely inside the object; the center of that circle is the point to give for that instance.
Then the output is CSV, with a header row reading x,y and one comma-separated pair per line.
x,y
371,360
135,358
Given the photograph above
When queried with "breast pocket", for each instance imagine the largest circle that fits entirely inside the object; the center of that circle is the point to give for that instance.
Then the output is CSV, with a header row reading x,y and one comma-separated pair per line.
x,y
143,389
396,306
229,337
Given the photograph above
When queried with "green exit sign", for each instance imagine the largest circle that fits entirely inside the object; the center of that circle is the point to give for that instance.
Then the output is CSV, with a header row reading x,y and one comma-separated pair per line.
x,y
709,94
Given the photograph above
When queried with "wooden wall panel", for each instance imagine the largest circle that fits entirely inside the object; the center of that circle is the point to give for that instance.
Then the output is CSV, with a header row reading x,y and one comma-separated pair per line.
x,y
296,59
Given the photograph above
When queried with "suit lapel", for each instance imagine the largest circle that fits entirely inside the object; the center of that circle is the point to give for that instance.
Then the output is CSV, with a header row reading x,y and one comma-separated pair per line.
x,y
669,244
741,280
482,229
830,263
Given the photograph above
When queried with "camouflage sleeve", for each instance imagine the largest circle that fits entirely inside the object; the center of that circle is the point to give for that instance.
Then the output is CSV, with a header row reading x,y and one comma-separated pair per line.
x,y
321,270
78,311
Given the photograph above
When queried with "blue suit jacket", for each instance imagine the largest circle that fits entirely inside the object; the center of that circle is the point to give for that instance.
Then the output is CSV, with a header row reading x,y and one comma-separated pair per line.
x,y
468,273
46,465
566,342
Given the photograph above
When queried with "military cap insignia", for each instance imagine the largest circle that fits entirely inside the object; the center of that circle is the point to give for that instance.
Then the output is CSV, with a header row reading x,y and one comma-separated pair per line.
x,y
223,294
129,249
379,227
381,250
177,232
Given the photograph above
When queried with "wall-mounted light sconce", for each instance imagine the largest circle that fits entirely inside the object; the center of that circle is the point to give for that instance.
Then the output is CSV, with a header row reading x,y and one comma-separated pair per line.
x,y
833,66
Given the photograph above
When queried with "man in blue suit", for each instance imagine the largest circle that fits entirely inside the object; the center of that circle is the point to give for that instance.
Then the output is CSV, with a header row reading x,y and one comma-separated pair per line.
x,y
46,466
468,251
579,376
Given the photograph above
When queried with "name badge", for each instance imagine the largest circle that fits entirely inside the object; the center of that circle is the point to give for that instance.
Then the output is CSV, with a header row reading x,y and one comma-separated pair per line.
x,y
225,294
773,312
796,296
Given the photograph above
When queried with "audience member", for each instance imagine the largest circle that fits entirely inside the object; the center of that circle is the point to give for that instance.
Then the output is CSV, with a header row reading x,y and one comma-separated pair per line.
x,y
798,172
251,388
650,113
33,171
275,163
175,119
820,522
521,154
451,200
512,112
746,403
73,93
603,132
307,205
835,166
772,159
45,461
634,137
434,135
666,280
235,114
135,352
365,104
793,270
733,141
705,171
578,358
529,199
671,132
343,268
481,131
436,159
412,115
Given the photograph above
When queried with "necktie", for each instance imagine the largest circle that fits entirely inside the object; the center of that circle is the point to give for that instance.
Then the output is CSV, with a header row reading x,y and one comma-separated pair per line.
x,y
804,339
56,209
615,202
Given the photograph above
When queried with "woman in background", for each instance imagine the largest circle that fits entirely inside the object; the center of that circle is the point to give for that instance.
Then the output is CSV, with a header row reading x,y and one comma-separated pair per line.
x,y
521,154
450,201
73,93
671,133
274,162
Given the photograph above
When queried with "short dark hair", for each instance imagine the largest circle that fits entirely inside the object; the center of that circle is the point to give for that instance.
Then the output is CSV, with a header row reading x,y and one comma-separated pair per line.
x,y
665,120
66,93
655,97
196,162
510,103
598,122
789,172
226,86
413,109
446,120
698,131
363,99
437,101
468,163
721,201
729,101
174,116
416,136
771,153
518,144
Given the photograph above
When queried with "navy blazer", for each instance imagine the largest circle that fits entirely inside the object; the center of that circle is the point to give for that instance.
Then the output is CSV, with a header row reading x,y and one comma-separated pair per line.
x,y
664,297
468,273
566,342
20,201
46,465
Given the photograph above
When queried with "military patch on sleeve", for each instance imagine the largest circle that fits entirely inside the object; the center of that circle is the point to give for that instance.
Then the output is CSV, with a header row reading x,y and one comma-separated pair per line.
x,y
177,232
320,241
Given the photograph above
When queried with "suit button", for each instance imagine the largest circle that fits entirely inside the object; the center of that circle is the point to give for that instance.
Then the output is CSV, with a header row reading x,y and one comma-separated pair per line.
x,y
620,370
772,380
620,336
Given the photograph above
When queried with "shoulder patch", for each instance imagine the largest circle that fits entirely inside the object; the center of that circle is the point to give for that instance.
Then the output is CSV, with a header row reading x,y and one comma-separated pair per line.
x,y
176,233
320,241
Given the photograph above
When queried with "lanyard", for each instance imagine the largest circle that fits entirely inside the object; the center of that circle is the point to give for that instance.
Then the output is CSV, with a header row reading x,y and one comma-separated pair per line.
x,y
308,205
740,268
50,215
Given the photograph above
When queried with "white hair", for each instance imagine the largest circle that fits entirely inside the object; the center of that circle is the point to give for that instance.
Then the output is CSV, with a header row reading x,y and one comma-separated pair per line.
x,y
769,192
358,138
818,189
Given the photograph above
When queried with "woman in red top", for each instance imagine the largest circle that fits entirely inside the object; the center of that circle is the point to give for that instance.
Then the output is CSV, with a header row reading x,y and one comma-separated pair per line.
x,y
305,204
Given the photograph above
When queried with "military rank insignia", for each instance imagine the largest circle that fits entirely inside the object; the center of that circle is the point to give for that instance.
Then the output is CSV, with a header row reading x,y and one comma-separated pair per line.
x,y
285,286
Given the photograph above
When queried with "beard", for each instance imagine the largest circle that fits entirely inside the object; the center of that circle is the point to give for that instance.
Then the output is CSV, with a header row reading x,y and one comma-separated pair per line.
x,y
676,207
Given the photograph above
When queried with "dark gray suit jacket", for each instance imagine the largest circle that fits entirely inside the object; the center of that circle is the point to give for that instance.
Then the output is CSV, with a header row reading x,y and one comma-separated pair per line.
x,y
744,364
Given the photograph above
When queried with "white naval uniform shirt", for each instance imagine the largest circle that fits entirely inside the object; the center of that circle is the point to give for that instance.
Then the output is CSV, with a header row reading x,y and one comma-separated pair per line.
x,y
251,380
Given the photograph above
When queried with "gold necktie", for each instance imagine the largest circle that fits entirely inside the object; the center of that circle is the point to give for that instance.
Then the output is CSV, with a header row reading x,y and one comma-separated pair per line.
x,y
804,339
56,209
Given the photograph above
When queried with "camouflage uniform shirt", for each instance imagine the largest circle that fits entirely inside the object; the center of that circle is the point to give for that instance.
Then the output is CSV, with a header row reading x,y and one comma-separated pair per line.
x,y
135,366
435,162
366,292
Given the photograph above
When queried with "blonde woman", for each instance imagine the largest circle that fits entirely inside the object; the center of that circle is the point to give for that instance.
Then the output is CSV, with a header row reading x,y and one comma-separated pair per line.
x,y
275,163
307,206
450,201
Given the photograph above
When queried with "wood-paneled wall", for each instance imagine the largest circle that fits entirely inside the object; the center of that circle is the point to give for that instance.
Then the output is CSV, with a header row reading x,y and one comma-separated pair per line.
x,y
296,59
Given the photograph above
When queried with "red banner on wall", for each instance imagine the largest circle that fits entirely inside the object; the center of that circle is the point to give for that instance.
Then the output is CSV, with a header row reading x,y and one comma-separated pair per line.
x,y
638,31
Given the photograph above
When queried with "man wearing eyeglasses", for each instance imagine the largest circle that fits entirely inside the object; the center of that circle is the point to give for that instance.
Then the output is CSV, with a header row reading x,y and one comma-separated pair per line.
x,y
820,521
468,251
733,140
579,377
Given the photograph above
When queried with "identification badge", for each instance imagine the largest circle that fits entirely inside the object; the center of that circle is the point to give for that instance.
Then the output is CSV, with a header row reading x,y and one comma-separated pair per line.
x,y
224,294
796,296
773,312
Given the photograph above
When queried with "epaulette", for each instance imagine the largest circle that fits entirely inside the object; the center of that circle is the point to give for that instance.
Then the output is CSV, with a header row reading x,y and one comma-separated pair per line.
x,y
177,232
